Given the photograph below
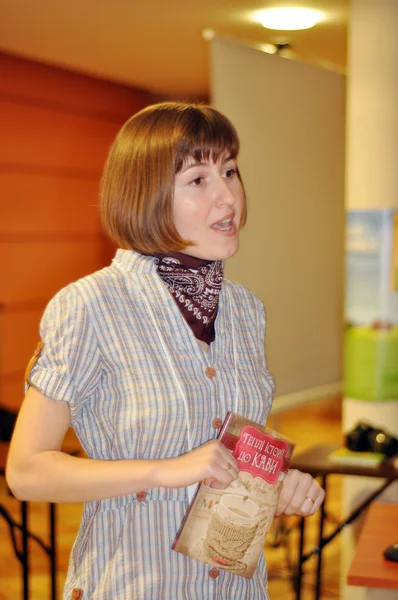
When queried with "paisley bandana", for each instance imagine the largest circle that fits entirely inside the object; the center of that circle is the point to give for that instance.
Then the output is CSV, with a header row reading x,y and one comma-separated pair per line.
x,y
195,285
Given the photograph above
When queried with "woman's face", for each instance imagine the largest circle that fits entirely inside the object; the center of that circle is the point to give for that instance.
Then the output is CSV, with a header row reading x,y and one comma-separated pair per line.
x,y
207,207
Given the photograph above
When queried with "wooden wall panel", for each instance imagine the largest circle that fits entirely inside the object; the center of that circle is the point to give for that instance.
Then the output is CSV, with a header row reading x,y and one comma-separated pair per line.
x,y
35,270
12,392
20,334
40,204
39,83
56,128
47,137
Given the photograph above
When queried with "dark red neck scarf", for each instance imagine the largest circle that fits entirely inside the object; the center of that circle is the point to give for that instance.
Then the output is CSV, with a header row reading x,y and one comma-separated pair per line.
x,y
195,285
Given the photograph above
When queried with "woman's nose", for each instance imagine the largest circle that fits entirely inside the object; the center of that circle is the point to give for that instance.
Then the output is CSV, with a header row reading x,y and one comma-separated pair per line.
x,y
224,193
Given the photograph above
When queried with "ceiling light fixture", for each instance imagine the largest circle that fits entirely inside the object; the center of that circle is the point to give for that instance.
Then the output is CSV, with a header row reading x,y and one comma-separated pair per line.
x,y
288,19
208,34
268,48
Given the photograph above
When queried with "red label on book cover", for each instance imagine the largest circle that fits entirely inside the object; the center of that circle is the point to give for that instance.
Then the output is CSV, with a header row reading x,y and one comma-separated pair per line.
x,y
260,454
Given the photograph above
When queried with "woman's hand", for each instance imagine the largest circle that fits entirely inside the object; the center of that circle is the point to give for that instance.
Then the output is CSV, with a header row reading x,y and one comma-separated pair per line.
x,y
300,495
211,463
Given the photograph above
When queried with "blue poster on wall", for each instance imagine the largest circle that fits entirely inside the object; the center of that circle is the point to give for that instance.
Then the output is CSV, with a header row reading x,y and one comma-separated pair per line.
x,y
371,335
370,295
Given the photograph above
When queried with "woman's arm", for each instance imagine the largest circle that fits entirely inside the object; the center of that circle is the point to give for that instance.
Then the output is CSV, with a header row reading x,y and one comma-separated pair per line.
x,y
38,470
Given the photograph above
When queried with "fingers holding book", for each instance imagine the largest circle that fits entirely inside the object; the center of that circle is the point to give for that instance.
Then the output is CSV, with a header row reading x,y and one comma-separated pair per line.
x,y
211,463
301,495
223,470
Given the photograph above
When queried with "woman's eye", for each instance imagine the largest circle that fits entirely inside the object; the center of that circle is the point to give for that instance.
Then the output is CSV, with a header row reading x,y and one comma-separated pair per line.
x,y
230,173
197,181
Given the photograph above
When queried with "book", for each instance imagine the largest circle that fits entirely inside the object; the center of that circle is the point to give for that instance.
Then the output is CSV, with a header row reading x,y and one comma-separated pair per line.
x,y
227,528
349,457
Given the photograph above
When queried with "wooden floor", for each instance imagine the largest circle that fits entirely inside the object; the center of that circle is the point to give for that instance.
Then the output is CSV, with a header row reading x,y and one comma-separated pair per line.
x,y
315,423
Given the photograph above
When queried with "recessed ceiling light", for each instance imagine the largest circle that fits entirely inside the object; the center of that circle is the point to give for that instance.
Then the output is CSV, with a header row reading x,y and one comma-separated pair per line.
x,y
288,19
208,34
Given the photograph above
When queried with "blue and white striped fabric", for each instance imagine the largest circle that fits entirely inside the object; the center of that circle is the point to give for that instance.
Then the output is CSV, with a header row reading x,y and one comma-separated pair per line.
x,y
134,389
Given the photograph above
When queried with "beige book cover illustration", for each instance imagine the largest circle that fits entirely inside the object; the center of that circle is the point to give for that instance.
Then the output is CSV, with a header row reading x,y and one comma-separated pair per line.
x,y
227,528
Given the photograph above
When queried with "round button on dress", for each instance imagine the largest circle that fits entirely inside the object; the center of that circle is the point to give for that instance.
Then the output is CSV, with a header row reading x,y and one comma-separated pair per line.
x,y
141,496
210,372
217,423
214,573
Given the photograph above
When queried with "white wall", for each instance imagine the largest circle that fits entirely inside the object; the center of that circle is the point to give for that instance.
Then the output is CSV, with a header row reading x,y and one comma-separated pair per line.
x,y
290,118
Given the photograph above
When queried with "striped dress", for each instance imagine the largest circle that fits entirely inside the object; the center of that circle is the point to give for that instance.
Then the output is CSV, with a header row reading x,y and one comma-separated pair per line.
x,y
118,350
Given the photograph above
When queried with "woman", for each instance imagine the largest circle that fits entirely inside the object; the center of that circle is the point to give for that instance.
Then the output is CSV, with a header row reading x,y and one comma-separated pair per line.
x,y
143,359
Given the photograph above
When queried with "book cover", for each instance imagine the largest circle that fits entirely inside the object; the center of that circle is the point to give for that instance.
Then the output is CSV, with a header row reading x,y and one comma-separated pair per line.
x,y
227,528
349,457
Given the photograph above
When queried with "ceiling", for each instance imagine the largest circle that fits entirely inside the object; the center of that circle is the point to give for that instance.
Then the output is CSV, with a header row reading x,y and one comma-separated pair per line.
x,y
156,45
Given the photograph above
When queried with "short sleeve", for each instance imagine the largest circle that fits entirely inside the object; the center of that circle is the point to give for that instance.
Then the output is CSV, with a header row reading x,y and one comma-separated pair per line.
x,y
69,365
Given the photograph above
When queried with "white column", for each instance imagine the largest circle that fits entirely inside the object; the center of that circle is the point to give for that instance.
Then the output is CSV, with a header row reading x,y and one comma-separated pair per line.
x,y
371,184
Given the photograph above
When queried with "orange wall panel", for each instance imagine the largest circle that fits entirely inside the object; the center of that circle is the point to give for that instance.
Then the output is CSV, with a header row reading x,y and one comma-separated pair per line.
x,y
12,393
46,137
20,334
59,87
40,204
56,128
33,271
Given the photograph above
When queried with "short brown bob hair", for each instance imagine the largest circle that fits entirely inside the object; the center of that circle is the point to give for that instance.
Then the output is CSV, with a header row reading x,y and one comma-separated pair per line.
x,y
137,187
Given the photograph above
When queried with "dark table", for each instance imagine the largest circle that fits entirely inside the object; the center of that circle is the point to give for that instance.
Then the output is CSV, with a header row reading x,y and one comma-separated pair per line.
x,y
316,462
22,549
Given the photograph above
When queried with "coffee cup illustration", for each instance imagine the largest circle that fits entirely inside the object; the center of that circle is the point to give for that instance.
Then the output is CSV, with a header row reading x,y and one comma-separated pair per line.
x,y
231,530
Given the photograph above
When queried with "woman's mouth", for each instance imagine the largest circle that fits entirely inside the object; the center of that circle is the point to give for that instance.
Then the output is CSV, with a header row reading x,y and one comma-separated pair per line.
x,y
223,225
226,224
